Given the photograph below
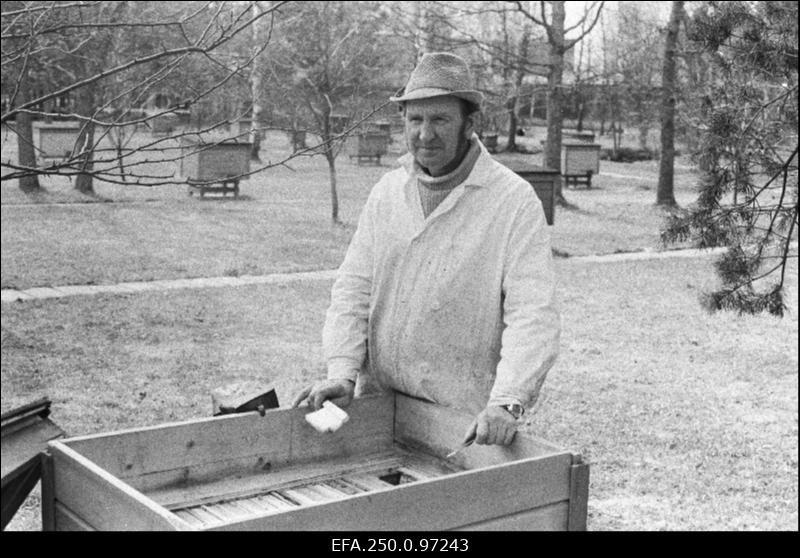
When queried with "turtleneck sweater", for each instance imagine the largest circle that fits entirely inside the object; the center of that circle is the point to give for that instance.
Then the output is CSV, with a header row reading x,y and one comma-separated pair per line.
x,y
434,189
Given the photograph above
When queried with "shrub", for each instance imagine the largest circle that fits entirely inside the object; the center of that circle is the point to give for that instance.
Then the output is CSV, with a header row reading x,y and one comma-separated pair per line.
x,y
628,155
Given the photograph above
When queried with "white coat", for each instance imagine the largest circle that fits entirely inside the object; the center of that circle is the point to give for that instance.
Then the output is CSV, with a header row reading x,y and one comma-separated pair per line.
x,y
458,308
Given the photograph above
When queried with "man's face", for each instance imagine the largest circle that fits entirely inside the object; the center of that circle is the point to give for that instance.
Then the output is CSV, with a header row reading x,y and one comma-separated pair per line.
x,y
437,133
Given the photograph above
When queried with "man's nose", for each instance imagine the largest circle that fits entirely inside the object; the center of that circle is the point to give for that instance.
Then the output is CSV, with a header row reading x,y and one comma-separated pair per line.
x,y
426,132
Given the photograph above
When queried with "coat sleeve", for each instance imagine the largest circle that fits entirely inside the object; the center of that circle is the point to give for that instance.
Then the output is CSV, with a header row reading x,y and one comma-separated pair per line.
x,y
344,335
532,324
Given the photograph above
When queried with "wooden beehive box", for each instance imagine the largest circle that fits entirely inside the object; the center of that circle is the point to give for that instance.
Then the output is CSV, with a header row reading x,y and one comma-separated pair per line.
x,y
369,145
56,141
214,161
543,180
581,158
383,470
163,125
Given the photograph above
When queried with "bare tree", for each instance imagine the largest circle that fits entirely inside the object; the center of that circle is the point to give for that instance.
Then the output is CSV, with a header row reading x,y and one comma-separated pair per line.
x,y
665,195
637,66
334,60
497,42
520,71
259,33
73,51
554,25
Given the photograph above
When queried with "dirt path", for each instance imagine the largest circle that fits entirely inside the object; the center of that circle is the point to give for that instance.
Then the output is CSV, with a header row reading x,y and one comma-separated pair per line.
x,y
13,295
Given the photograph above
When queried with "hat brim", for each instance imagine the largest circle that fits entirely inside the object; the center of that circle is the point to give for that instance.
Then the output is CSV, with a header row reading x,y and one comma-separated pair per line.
x,y
474,97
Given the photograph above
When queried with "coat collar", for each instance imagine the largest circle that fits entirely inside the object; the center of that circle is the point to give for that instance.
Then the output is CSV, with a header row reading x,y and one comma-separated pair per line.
x,y
481,172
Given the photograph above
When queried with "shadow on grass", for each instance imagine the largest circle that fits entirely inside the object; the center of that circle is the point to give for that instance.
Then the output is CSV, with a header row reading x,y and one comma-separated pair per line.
x,y
240,198
42,195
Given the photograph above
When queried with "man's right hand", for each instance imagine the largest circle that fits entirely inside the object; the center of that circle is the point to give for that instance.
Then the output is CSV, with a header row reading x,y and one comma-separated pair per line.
x,y
338,392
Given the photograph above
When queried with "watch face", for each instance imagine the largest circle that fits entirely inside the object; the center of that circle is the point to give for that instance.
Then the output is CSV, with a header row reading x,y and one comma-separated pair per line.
x,y
515,410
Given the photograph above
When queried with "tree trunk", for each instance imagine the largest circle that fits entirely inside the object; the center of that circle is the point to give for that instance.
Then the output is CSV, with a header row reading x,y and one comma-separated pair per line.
x,y
665,195
334,194
581,114
25,147
555,97
519,78
644,131
83,159
256,84
512,125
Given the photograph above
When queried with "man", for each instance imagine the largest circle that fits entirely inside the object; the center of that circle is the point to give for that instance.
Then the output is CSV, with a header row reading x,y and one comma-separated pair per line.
x,y
446,292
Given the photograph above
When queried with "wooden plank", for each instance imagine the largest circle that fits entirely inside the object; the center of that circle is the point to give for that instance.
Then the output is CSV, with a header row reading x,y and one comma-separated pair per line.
x,y
66,520
302,474
8,420
437,429
198,450
345,487
24,444
48,496
15,493
191,518
135,452
328,491
229,510
552,517
578,496
207,517
204,474
368,482
277,502
250,506
444,503
301,495
370,429
105,502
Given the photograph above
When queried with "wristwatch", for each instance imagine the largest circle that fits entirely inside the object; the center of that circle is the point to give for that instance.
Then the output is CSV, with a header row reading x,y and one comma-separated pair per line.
x,y
515,409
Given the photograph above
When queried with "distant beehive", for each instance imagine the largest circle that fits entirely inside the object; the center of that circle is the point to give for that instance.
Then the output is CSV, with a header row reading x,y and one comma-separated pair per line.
x,y
215,161
56,141
369,145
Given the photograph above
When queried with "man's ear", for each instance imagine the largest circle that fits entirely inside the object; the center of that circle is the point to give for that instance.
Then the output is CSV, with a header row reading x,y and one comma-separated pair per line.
x,y
471,125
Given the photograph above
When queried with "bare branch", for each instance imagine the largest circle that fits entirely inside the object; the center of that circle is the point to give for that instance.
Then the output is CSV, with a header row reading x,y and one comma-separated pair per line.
x,y
195,48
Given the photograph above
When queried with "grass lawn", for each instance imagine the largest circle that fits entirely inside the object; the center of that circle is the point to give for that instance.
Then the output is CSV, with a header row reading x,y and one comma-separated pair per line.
x,y
281,223
689,419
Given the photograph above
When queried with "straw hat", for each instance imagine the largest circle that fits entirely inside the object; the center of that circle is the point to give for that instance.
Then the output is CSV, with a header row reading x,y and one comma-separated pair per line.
x,y
438,74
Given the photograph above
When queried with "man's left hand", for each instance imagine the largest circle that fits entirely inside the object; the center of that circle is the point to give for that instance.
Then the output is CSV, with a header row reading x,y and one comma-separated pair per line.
x,y
494,426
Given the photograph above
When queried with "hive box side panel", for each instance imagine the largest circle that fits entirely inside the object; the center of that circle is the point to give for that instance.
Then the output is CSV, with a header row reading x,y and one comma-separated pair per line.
x,y
48,498
579,496
552,517
369,429
101,500
151,457
65,520
435,505
132,453
443,503
189,160
440,430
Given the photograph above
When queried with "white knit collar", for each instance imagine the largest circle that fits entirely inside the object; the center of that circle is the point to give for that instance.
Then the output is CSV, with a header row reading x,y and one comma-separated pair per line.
x,y
480,171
